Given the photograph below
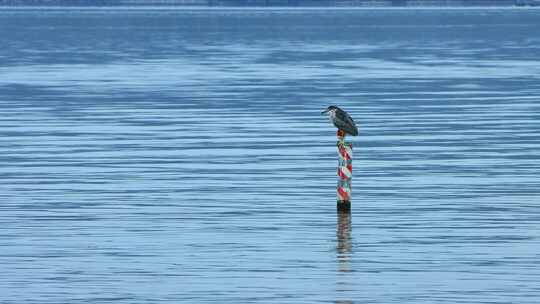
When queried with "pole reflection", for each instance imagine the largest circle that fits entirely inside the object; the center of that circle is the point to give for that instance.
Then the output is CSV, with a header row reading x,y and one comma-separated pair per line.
x,y
343,256
344,244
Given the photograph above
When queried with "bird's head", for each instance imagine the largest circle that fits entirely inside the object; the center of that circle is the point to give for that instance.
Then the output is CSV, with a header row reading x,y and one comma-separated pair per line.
x,y
329,110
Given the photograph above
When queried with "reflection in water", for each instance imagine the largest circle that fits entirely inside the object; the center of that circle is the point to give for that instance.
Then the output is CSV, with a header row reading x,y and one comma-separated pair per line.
x,y
343,251
344,245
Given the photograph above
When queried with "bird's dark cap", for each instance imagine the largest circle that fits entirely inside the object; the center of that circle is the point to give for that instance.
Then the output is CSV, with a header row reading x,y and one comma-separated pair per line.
x,y
329,109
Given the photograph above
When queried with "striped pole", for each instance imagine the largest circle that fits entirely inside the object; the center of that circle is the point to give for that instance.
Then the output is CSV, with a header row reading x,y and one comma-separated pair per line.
x,y
344,173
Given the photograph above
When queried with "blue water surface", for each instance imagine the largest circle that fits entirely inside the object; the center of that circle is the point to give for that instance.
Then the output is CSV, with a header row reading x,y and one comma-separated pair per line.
x,y
179,155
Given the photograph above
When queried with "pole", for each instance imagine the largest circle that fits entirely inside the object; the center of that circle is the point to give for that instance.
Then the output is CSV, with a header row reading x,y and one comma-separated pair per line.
x,y
344,173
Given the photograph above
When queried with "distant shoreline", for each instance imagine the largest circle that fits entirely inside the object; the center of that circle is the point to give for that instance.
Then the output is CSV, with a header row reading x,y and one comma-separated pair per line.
x,y
202,7
273,3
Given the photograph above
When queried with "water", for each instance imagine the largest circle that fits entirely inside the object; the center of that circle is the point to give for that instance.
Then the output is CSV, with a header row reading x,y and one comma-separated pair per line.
x,y
174,156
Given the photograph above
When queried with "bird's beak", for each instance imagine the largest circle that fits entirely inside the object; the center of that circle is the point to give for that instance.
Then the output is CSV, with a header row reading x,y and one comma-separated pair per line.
x,y
324,112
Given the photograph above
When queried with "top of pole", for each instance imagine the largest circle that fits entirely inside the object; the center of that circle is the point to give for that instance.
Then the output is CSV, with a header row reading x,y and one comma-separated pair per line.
x,y
341,139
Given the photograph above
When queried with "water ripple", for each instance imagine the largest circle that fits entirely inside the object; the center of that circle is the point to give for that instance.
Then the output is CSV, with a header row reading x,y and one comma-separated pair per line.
x,y
179,156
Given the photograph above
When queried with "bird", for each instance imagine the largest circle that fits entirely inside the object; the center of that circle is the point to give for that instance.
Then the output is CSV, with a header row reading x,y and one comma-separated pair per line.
x,y
342,120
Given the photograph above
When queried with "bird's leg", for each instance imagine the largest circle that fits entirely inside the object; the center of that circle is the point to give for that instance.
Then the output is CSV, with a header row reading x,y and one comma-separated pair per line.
x,y
341,137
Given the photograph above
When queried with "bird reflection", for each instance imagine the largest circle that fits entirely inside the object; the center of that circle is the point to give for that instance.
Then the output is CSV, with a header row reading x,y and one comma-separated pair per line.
x,y
343,254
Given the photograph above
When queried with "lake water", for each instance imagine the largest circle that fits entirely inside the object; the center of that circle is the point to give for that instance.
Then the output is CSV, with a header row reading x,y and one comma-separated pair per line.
x,y
179,155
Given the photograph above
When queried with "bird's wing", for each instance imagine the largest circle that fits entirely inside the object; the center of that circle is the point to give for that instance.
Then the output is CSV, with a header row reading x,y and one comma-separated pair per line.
x,y
345,122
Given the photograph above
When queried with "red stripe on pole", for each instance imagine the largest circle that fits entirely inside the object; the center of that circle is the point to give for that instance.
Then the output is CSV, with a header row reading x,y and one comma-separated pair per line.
x,y
343,194
341,174
344,153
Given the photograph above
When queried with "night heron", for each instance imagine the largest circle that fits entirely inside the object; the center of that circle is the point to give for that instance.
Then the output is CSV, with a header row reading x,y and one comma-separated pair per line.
x,y
341,120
